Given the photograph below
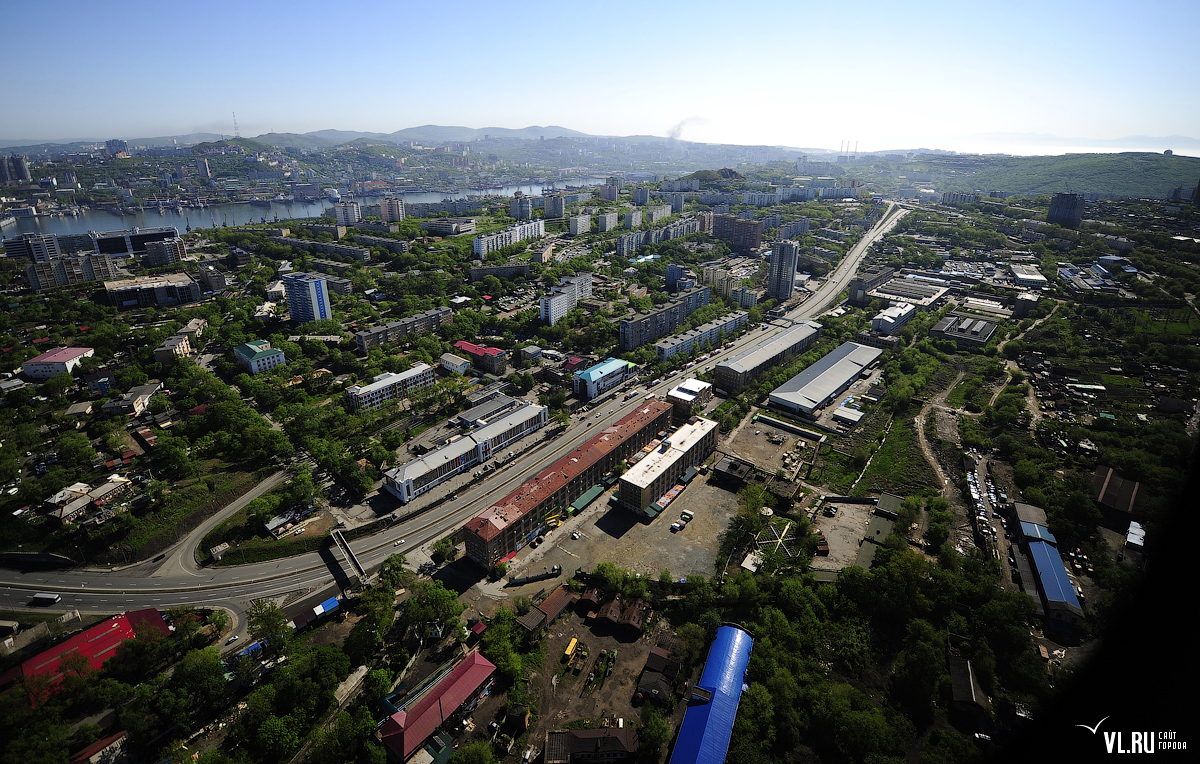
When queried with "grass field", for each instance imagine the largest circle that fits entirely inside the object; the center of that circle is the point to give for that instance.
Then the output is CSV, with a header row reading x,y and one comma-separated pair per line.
x,y
186,506
898,466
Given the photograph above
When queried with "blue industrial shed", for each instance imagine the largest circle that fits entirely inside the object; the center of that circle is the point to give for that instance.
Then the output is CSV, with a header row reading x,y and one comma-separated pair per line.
x,y
713,702
1052,575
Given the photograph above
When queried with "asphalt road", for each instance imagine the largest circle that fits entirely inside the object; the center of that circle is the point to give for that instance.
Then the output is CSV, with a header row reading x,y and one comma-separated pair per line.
x,y
178,580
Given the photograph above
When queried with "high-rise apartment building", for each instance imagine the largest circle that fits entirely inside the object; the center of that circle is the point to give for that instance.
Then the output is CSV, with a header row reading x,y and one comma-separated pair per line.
x,y
580,224
391,210
556,207
165,252
202,168
782,278
348,213
20,168
116,147
1066,210
521,208
741,234
5,173
307,296
674,274
633,219
641,195
608,220
38,247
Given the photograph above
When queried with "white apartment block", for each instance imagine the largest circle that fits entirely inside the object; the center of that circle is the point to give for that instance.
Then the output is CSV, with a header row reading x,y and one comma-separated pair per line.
x,y
564,297
580,224
656,214
608,220
759,199
633,219
511,235
389,385
348,213
391,210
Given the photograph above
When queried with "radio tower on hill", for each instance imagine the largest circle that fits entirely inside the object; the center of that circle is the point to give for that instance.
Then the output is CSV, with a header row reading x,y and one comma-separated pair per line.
x,y
236,132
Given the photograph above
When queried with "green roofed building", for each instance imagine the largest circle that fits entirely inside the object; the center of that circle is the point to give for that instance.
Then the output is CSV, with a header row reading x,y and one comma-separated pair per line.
x,y
258,355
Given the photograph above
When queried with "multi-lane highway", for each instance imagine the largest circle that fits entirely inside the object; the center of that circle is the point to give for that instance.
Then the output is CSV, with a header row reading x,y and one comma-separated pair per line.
x,y
178,580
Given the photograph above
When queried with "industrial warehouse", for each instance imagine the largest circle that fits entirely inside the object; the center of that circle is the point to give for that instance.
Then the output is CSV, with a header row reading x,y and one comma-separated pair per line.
x,y
815,387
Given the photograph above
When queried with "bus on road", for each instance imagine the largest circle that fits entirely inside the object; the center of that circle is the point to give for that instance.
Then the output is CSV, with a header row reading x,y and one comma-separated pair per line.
x,y
41,598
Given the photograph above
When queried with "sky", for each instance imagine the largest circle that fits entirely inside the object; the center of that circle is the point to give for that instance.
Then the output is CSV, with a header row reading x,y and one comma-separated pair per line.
x,y
1013,77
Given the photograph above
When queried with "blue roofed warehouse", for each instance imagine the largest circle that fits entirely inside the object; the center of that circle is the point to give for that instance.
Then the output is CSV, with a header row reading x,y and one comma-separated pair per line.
x,y
713,703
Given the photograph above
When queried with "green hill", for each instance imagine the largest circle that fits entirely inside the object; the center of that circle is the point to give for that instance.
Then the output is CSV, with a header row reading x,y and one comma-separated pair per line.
x,y
295,141
1131,174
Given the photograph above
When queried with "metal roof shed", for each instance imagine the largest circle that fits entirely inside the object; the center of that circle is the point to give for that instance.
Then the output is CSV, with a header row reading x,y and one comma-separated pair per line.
x,y
712,706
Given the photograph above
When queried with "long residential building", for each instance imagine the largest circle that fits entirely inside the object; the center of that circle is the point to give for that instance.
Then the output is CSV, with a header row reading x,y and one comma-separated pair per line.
x,y
391,245
518,518
68,271
388,386
143,291
410,480
511,235
427,321
734,374
650,325
712,334
815,387
643,484
362,254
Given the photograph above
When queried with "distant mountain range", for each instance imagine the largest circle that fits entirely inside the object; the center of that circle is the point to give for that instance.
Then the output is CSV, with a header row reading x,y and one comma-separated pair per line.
x,y
436,134
329,138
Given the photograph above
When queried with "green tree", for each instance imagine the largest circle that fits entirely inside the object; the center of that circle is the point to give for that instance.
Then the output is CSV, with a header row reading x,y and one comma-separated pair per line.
x,y
377,684
654,734
268,622
201,675
478,752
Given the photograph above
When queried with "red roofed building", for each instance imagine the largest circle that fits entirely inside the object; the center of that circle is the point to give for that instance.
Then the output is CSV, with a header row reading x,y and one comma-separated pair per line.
x,y
519,517
491,360
95,645
407,730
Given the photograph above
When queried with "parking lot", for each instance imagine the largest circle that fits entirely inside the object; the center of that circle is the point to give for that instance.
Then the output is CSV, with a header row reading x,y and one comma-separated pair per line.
x,y
611,534
844,532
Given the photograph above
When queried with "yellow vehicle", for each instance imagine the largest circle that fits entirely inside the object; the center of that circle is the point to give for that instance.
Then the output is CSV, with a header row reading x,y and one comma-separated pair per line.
x,y
570,650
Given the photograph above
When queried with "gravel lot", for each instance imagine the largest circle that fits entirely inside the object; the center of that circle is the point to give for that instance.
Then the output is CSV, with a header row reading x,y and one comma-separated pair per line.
x,y
843,533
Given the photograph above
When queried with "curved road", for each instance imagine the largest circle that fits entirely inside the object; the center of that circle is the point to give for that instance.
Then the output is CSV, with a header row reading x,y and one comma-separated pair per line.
x,y
178,580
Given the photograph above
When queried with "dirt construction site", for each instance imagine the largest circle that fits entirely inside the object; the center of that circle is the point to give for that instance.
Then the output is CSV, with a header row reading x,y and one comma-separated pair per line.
x,y
844,532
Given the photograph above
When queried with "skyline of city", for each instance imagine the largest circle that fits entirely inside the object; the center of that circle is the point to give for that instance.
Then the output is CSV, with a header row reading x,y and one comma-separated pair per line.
x,y
1024,80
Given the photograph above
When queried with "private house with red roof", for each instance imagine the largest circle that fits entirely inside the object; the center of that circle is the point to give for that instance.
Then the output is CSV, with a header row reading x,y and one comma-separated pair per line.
x,y
406,731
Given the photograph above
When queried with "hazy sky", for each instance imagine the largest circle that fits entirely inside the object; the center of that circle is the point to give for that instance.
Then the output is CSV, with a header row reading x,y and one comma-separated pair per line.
x,y
885,75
